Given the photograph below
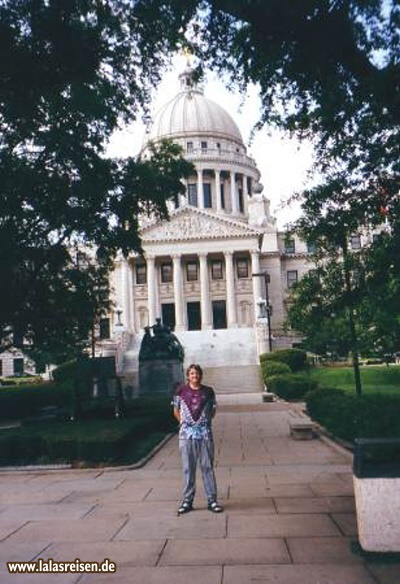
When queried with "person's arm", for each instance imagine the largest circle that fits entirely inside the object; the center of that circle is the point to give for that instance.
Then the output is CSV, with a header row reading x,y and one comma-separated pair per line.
x,y
177,414
214,406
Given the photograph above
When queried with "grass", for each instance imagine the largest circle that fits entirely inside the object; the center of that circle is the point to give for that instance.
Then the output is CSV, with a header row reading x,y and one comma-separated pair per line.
x,y
375,379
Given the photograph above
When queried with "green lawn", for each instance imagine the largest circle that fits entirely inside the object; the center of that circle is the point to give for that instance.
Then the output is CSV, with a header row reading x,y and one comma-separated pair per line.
x,y
375,378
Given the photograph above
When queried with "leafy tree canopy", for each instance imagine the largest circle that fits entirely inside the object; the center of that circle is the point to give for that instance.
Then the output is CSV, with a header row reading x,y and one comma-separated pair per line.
x,y
71,72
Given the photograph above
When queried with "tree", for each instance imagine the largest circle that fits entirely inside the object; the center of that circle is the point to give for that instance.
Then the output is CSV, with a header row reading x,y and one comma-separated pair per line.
x,y
71,72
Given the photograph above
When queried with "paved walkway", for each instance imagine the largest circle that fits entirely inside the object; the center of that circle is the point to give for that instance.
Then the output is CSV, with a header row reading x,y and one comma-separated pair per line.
x,y
289,513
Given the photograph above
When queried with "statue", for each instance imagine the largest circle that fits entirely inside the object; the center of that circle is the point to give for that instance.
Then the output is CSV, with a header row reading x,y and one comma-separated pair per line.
x,y
160,359
163,344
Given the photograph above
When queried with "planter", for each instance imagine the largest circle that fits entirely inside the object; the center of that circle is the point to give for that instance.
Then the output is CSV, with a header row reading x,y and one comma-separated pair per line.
x,y
377,493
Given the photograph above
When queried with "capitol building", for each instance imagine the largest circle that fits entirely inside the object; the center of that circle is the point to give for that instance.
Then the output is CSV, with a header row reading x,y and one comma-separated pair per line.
x,y
219,272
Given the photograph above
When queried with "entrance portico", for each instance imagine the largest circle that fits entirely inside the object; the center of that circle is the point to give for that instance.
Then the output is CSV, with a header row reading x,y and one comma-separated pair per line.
x,y
196,272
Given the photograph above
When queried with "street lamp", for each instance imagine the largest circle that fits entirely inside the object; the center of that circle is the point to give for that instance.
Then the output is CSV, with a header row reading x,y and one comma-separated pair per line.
x,y
118,327
265,305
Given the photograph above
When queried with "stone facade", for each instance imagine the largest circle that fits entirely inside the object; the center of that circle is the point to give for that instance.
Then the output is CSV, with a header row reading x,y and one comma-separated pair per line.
x,y
207,269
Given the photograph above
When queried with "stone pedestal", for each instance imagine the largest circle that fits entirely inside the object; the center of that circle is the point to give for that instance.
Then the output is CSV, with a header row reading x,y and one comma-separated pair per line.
x,y
159,376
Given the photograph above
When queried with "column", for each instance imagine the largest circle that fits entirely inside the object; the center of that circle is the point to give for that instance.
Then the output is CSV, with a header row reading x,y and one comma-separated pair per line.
x,y
205,299
257,281
218,190
183,199
230,291
178,293
126,304
151,289
200,193
234,199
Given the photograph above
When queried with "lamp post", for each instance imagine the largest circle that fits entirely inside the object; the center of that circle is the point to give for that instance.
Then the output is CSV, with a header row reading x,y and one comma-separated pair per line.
x,y
265,305
118,326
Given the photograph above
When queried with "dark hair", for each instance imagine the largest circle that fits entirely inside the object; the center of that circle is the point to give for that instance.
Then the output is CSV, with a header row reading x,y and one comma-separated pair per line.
x,y
196,367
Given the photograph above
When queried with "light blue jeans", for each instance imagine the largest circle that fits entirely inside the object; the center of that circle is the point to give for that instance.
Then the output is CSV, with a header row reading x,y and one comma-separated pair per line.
x,y
194,451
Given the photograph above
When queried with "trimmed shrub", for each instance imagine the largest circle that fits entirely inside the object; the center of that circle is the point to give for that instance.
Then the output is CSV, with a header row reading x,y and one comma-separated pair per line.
x,y
349,416
290,385
296,359
17,403
270,368
66,372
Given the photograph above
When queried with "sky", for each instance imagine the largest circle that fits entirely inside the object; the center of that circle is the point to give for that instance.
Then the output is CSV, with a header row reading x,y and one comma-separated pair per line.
x,y
282,162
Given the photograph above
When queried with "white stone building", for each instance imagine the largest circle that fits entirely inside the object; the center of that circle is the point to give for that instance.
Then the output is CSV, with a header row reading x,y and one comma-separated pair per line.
x,y
198,269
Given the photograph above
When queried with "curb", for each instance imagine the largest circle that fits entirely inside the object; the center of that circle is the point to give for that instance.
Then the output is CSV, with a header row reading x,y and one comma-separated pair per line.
x,y
50,468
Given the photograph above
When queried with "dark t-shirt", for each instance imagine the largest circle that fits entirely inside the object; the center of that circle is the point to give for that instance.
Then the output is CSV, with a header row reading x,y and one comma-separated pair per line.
x,y
196,407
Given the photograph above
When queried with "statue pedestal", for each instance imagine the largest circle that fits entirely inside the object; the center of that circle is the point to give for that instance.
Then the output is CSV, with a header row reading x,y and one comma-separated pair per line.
x,y
159,375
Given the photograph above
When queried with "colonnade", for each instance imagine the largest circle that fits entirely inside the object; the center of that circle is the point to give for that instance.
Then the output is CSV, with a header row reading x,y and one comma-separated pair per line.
x,y
153,289
216,182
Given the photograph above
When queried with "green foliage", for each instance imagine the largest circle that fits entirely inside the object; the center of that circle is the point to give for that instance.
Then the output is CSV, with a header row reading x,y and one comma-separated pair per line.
x,y
70,74
270,368
66,372
296,359
291,386
90,441
18,403
349,416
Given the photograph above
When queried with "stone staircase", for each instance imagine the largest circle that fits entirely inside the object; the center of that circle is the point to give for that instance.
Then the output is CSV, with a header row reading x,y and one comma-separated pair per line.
x,y
228,358
234,379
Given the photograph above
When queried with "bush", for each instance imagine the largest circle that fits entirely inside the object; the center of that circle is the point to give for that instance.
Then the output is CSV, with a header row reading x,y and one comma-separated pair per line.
x,y
91,440
296,359
21,402
349,416
66,372
290,385
270,368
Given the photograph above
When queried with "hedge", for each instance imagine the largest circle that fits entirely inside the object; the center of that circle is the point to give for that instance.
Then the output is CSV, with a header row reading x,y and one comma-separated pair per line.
x,y
270,368
291,385
349,416
296,359
93,440
25,401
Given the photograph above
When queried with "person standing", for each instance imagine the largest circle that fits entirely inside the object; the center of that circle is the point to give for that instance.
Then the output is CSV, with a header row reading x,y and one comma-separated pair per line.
x,y
194,408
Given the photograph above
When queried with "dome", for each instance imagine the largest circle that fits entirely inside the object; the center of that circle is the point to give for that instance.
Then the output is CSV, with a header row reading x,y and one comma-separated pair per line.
x,y
190,113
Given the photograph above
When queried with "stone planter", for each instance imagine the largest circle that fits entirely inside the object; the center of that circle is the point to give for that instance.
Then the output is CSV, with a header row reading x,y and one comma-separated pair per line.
x,y
377,493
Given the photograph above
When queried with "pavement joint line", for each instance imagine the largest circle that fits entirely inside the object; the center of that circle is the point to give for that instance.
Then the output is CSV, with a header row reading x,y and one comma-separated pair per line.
x,y
89,510
119,529
161,552
15,531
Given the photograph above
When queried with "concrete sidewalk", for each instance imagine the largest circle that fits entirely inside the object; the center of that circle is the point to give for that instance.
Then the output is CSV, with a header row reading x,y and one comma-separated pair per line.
x,y
289,513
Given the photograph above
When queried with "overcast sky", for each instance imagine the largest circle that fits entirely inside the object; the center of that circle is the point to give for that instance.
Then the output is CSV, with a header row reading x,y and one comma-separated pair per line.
x,y
283,163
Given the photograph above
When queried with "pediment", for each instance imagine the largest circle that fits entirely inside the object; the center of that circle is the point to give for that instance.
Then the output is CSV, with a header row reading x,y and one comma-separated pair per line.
x,y
194,224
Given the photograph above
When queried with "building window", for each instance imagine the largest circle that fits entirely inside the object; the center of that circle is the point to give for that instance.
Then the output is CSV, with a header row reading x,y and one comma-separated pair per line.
x,y
292,277
311,247
242,268
204,147
166,273
249,186
222,196
241,201
290,246
141,274
189,147
376,237
191,272
216,270
18,366
355,242
192,194
207,195
104,328
219,147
